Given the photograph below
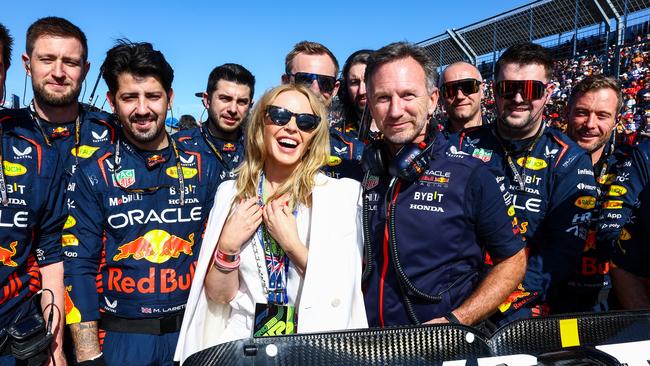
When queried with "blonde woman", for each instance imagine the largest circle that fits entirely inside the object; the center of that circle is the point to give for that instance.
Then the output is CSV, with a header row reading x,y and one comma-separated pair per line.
x,y
272,262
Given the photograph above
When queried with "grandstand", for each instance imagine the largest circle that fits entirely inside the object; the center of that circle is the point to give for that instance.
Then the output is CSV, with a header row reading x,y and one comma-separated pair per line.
x,y
567,26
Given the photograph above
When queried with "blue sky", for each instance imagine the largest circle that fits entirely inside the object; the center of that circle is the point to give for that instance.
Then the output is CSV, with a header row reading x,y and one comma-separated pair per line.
x,y
197,35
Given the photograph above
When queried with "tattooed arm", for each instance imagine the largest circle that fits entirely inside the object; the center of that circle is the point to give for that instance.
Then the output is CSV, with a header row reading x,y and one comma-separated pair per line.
x,y
86,340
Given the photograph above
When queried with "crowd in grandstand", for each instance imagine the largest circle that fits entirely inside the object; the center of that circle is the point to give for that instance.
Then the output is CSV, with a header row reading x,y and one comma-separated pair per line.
x,y
334,202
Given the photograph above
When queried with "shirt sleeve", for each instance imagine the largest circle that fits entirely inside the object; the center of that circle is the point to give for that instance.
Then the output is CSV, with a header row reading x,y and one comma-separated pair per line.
x,y
631,177
566,223
48,248
82,247
621,201
492,219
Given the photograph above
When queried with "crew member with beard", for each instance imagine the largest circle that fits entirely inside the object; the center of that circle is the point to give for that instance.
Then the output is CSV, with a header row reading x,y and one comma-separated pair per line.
x,y
227,98
593,109
56,59
538,171
315,66
137,212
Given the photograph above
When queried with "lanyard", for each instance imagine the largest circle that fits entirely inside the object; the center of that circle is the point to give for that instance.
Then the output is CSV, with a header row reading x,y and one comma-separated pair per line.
x,y
277,262
179,172
77,130
210,144
520,178
3,183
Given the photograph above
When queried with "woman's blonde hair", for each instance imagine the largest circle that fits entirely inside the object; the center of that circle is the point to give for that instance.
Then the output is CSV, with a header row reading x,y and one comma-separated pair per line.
x,y
301,182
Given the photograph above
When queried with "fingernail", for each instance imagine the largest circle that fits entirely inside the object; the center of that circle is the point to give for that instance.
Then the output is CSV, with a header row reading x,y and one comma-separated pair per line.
x,y
286,203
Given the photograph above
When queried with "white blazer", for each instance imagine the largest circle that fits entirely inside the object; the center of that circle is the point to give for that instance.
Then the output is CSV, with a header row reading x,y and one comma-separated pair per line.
x,y
331,297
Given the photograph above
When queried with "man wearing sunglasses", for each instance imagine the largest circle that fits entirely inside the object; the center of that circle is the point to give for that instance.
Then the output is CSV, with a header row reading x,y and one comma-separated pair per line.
x,y
462,93
314,65
137,213
228,98
430,210
542,174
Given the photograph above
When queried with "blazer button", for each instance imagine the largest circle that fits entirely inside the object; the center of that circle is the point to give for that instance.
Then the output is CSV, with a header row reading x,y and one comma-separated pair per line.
x,y
336,302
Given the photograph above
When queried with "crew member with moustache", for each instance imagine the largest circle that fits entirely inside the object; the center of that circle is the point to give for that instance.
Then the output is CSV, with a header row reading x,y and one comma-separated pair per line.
x,y
227,98
592,112
137,212
414,182
314,65
6,44
32,213
538,171
56,60
462,93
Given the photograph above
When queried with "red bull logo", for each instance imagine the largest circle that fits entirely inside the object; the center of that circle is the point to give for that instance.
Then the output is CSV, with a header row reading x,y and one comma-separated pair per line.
x,y
156,246
513,300
229,147
159,280
441,180
61,131
6,255
154,160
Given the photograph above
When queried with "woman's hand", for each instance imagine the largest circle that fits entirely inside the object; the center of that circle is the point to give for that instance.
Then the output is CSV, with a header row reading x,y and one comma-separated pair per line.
x,y
243,219
282,226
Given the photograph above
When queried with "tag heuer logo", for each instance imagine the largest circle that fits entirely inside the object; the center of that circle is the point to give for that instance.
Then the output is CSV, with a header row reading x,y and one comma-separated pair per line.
x,y
371,182
125,178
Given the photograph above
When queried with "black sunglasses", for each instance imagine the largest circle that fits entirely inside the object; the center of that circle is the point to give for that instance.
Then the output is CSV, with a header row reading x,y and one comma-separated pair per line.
x,y
467,86
529,89
280,117
325,83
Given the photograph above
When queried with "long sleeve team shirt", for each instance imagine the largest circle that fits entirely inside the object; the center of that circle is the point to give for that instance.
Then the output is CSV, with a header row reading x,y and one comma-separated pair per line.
x,y
553,208
127,223
31,222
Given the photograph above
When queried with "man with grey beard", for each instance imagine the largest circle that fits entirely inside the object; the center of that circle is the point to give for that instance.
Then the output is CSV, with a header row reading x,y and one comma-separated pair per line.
x,y
56,59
